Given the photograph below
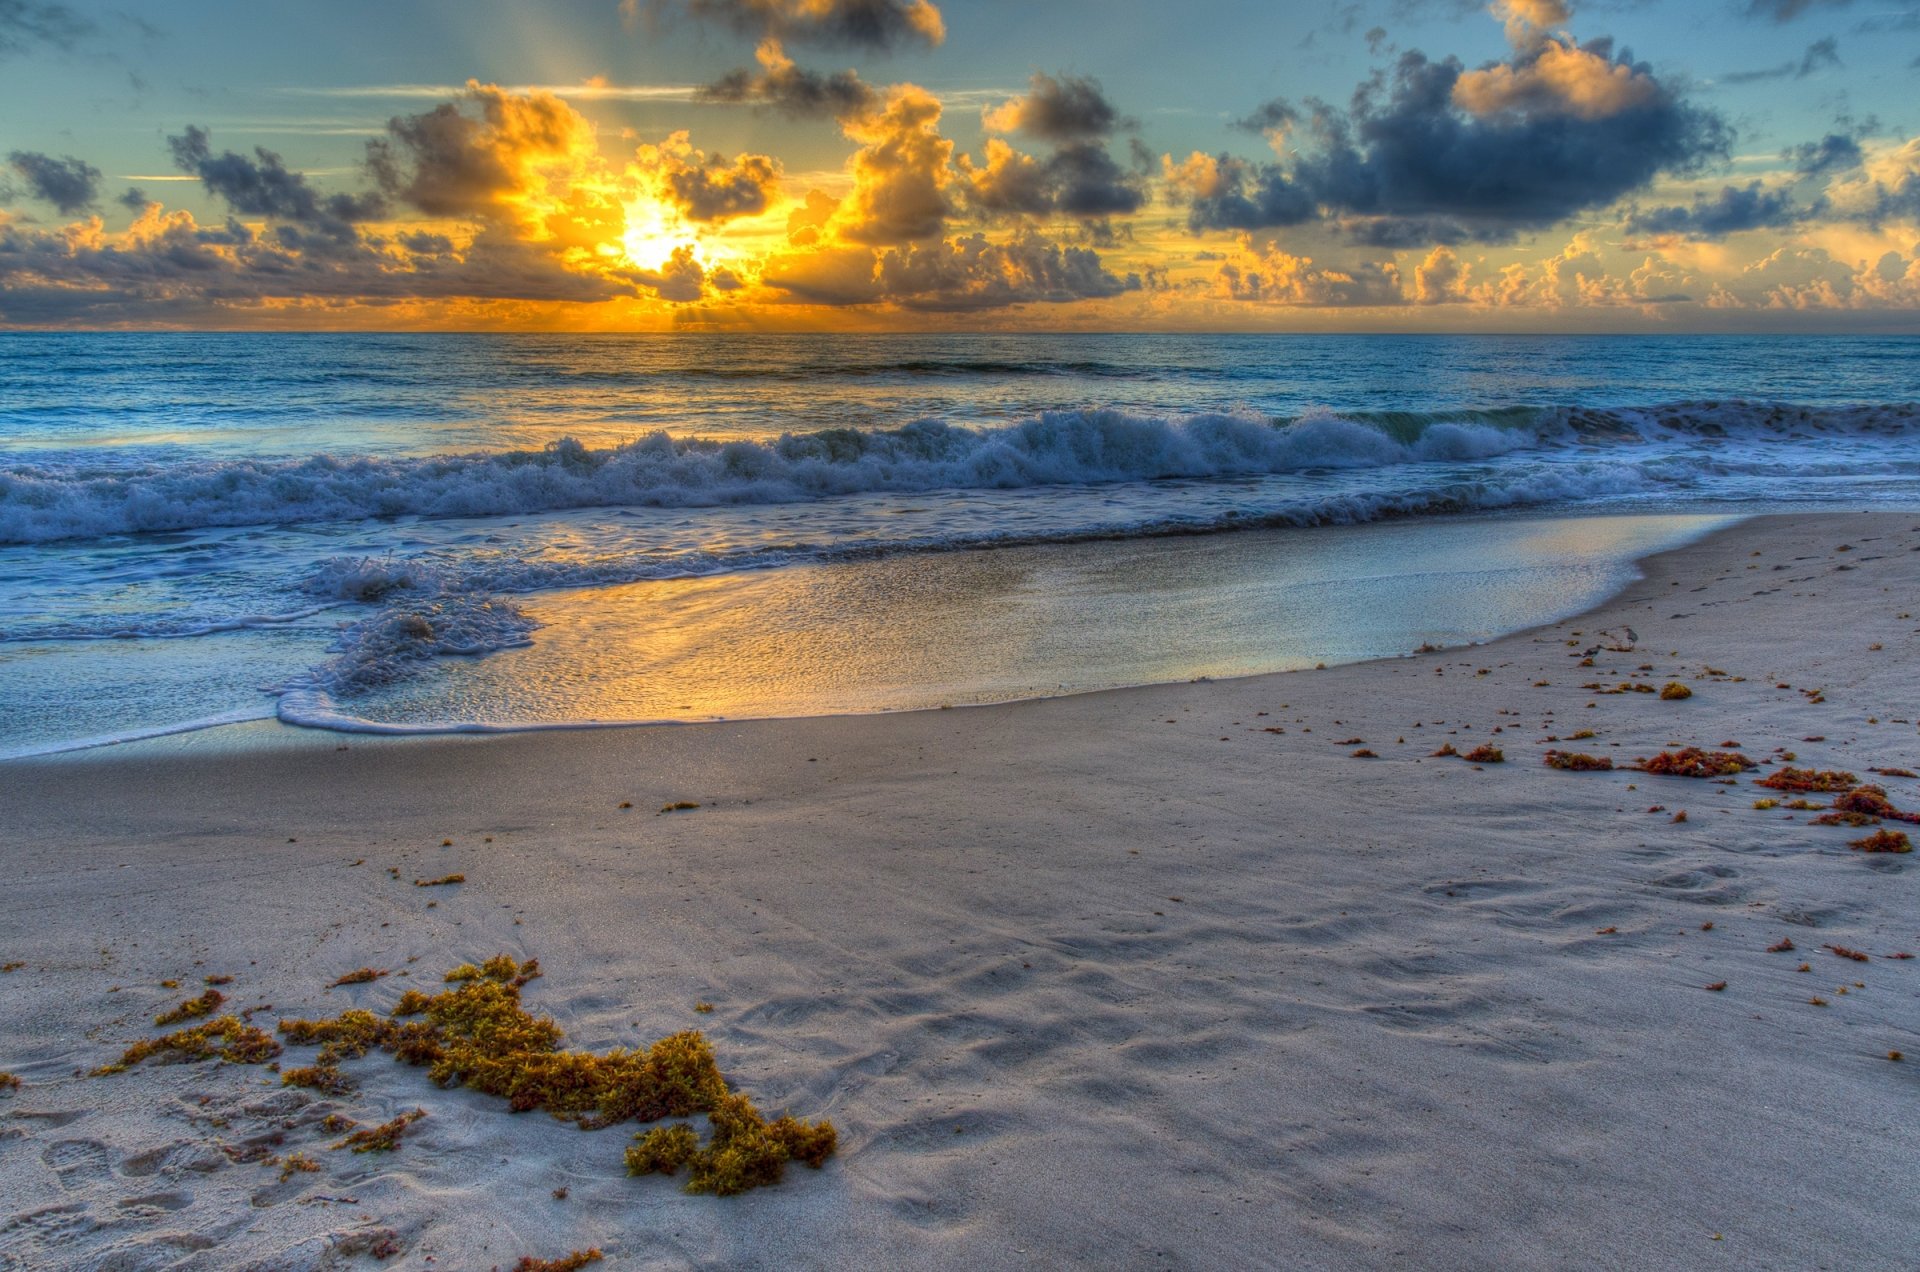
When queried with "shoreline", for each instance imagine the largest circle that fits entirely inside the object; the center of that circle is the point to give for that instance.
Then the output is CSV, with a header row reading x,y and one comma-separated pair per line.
x,y
268,724
1118,977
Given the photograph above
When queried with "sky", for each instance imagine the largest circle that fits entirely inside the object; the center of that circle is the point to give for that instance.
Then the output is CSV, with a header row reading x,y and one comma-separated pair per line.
x,y
876,165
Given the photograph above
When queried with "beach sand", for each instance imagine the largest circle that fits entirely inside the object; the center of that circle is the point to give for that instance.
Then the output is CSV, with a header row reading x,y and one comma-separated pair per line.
x,y
1126,980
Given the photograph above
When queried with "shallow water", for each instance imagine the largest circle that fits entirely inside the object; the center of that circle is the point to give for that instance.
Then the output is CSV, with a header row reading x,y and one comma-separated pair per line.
x,y
452,531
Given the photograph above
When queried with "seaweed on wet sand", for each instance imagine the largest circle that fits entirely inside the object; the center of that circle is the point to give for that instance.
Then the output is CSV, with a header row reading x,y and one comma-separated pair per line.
x,y
359,976
1842,951
478,1035
1867,802
1579,762
441,882
192,1009
1804,779
679,806
1781,946
1673,691
745,1150
296,1163
325,1078
1694,762
572,1261
384,1138
1883,841
1485,754
9,1082
224,1037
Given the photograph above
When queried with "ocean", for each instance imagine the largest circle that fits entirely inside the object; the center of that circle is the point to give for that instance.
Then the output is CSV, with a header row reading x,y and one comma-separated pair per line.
x,y
458,532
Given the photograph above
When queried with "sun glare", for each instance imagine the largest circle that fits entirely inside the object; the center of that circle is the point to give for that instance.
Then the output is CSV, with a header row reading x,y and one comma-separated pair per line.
x,y
653,232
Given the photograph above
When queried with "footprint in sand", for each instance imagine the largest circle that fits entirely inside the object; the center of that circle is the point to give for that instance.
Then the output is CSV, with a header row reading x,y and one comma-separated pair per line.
x,y
76,1161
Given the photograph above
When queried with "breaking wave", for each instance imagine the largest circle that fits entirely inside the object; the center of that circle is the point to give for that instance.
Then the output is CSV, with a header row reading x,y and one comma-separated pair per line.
x,y
51,501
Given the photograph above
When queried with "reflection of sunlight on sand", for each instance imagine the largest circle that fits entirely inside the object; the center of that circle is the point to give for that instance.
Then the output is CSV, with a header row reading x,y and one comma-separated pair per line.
x,y
967,627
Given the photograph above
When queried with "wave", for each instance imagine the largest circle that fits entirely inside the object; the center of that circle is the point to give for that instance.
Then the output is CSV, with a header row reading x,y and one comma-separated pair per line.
x,y
44,502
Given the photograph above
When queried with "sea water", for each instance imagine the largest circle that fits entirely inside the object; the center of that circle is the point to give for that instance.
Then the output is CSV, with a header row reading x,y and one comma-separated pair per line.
x,y
429,532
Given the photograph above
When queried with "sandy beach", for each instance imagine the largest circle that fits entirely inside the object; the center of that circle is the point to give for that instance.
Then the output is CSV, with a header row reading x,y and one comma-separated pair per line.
x,y
1162,977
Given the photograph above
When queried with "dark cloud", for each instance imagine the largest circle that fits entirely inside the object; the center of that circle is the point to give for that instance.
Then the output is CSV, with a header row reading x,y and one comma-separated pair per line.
x,y
264,186
1087,183
716,191
1063,110
1079,178
69,184
1788,10
134,200
439,162
25,24
1819,55
1269,116
873,24
1835,152
1734,209
1468,155
793,91
174,270
948,275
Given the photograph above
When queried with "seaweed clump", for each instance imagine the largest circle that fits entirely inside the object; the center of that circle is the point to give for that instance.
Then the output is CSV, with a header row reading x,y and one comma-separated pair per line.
x,y
1693,762
1673,691
1883,841
572,1261
224,1037
478,1035
1486,754
9,1082
383,1138
1863,807
205,1005
745,1150
1579,762
1799,779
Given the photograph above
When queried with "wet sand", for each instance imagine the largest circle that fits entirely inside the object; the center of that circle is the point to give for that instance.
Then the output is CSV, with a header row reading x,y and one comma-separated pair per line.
x,y
1162,977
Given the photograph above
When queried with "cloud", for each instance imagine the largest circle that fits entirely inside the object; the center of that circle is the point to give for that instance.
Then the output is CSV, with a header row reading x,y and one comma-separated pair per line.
x,y
1063,110
1819,55
1079,178
1885,188
1225,193
263,186
1788,10
1439,151
1529,21
1268,118
525,160
968,273
25,24
1441,279
1835,152
781,85
70,185
167,268
1734,209
705,187
874,24
900,172
1271,276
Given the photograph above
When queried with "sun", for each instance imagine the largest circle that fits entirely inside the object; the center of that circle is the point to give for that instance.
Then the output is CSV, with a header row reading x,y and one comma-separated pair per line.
x,y
653,232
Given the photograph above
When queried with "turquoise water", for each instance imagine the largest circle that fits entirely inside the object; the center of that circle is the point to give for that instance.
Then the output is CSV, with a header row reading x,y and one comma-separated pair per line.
x,y
448,531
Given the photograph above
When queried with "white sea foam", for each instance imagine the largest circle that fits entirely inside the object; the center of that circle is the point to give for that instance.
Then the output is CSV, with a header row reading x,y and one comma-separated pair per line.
x,y
403,639
48,501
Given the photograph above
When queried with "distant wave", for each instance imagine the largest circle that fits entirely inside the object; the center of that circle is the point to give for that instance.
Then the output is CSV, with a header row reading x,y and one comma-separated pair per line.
x,y
44,502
